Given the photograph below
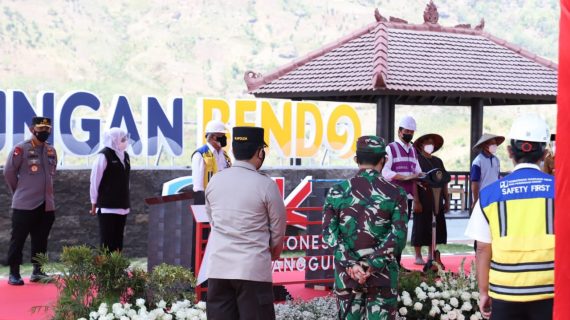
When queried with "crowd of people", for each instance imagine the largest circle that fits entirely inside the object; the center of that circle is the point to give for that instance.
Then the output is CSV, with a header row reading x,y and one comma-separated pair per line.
x,y
365,218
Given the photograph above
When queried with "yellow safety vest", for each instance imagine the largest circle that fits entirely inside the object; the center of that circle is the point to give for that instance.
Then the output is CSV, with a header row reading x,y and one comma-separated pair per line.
x,y
520,212
210,163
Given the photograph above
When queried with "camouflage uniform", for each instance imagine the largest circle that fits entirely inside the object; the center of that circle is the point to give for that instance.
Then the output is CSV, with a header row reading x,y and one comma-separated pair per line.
x,y
365,221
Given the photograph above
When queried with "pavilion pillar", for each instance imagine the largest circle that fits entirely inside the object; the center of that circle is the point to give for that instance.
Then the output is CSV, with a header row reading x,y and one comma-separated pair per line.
x,y
476,123
385,118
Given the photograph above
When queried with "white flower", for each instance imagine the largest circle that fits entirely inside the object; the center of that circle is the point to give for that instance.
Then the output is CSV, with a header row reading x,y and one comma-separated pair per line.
x,y
475,295
422,296
438,283
203,316
453,293
81,319
418,306
435,302
447,308
433,311
431,295
441,303
403,311
479,315
408,301
466,306
167,317
131,313
201,305
124,318
405,294
93,315
437,294
454,302
473,317
466,296
445,295
431,289
140,302
161,304
451,315
444,317
460,316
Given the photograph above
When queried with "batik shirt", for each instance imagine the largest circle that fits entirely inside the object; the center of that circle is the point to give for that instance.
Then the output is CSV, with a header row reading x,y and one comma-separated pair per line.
x,y
365,222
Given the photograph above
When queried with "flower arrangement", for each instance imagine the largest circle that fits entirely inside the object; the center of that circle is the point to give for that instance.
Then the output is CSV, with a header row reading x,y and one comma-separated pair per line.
x,y
180,310
448,296
316,309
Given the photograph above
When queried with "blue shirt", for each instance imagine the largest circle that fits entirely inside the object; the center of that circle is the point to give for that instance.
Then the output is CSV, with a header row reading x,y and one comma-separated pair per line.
x,y
485,170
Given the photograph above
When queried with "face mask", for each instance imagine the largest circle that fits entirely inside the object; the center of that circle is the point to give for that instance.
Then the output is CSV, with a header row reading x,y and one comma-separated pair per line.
x,y
493,148
428,148
407,137
41,135
262,157
123,145
223,140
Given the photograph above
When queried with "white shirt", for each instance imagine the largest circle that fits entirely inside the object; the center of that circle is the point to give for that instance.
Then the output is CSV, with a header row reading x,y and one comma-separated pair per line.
x,y
97,170
198,167
478,227
387,172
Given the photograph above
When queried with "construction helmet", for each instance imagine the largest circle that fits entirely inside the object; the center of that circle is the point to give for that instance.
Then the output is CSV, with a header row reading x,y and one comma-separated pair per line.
x,y
408,122
531,128
215,126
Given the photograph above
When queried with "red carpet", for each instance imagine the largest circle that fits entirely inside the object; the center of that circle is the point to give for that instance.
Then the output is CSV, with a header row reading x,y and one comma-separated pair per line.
x,y
16,302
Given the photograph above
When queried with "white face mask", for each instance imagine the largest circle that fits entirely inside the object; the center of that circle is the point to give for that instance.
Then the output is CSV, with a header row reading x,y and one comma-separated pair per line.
x,y
493,148
428,148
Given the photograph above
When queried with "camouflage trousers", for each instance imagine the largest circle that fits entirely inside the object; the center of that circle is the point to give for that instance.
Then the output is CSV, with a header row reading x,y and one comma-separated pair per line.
x,y
369,304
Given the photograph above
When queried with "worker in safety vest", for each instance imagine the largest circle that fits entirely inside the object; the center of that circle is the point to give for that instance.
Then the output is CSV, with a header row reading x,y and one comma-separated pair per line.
x,y
513,224
209,159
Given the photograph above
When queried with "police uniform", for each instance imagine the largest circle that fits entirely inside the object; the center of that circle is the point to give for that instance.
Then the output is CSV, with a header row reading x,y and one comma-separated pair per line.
x,y
29,173
365,221
247,218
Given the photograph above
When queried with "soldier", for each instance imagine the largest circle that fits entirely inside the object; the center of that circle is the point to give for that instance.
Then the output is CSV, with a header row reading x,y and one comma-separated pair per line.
x,y
365,221
29,173
248,221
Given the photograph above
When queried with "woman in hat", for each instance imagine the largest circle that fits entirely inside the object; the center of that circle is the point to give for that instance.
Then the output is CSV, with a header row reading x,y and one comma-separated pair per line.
x,y
426,145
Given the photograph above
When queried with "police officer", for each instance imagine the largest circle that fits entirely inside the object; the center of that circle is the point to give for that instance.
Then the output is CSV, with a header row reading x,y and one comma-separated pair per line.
x,y
209,158
29,173
365,221
248,221
513,224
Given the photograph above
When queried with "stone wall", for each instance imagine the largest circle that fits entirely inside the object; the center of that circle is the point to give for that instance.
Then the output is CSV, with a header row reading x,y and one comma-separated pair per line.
x,y
74,225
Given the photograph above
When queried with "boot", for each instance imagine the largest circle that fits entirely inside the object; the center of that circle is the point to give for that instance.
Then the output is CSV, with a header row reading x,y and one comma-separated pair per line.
x,y
38,275
15,279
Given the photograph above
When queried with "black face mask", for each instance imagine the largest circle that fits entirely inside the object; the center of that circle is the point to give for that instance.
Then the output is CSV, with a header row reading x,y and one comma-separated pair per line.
x,y
41,135
407,137
262,157
223,140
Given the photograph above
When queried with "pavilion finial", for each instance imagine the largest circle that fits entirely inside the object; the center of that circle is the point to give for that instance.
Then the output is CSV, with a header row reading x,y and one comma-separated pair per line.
x,y
481,25
430,13
378,16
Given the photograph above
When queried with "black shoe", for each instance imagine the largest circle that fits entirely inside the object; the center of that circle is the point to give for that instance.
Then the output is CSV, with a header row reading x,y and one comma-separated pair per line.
x,y
15,280
40,276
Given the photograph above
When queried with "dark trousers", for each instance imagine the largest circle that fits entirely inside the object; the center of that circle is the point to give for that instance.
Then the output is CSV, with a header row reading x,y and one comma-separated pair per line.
x,y
240,299
409,213
533,310
37,223
111,230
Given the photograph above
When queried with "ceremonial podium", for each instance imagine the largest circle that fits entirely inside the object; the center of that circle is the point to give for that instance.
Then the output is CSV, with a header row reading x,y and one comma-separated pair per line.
x,y
171,236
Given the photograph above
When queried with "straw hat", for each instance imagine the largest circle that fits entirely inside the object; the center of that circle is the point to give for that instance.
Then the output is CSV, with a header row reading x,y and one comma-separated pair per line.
x,y
486,137
437,141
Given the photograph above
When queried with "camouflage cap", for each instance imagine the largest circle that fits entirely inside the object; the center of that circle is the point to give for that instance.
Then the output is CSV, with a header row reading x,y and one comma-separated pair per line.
x,y
371,144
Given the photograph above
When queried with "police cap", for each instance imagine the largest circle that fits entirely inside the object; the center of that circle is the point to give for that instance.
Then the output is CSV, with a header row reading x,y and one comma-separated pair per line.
x,y
41,122
247,137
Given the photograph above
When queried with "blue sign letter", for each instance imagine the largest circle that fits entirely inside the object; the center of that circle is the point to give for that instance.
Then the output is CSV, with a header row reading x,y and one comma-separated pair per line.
x,y
92,126
170,127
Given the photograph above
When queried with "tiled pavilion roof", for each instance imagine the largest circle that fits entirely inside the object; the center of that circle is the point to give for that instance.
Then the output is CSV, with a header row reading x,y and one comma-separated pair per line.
x,y
419,64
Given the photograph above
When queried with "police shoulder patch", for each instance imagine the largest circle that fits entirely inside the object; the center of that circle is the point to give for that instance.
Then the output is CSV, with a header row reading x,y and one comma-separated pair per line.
x,y
17,151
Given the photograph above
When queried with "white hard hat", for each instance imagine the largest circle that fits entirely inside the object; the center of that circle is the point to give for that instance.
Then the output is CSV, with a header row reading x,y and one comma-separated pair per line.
x,y
216,126
531,128
408,122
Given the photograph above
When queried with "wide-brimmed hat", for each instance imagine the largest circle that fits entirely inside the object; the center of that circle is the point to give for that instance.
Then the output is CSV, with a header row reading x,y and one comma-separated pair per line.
x,y
486,137
437,141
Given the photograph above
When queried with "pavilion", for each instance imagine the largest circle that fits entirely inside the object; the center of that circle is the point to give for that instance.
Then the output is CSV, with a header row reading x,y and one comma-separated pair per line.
x,y
392,62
